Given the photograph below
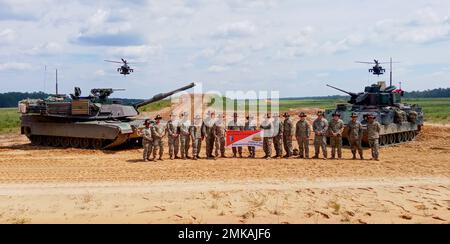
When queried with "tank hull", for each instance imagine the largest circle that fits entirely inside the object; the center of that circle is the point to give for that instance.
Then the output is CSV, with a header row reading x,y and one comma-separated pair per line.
x,y
42,130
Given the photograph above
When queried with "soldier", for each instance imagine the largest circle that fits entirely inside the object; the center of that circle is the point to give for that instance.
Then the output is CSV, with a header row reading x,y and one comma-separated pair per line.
x,y
373,132
250,125
320,128
235,126
184,126
196,136
147,140
209,132
288,133
355,134
267,126
220,136
278,136
158,133
336,129
302,133
173,132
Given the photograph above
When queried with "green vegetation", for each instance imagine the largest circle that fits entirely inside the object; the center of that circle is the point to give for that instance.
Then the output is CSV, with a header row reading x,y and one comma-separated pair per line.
x,y
9,120
327,103
156,106
437,110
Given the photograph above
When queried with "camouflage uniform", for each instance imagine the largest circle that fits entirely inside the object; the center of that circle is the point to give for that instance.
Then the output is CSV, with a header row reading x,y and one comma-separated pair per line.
x,y
184,138
174,139
267,126
373,132
220,130
355,134
278,137
336,127
234,125
209,131
147,142
196,136
158,133
302,133
250,126
288,133
320,127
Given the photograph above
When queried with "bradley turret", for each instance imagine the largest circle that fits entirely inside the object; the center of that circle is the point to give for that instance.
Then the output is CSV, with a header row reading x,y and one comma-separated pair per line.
x,y
93,121
375,95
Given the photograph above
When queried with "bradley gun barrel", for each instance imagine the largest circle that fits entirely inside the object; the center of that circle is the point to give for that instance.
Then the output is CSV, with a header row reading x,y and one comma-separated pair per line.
x,y
163,96
346,92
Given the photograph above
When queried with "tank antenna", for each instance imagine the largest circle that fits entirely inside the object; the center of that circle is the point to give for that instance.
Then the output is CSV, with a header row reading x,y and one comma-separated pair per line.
x,y
57,82
391,75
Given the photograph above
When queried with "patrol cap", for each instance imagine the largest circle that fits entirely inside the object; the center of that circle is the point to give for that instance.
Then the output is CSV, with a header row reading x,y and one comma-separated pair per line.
x,y
303,115
158,117
319,113
354,115
147,122
286,115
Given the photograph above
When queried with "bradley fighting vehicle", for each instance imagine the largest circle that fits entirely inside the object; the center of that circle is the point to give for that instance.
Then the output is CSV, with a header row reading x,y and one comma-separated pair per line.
x,y
399,122
84,122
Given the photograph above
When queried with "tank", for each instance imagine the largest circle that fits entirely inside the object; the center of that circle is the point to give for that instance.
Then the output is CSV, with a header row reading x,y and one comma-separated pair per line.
x,y
94,121
400,122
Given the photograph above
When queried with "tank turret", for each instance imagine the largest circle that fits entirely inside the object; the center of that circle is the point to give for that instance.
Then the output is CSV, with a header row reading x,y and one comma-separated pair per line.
x,y
93,121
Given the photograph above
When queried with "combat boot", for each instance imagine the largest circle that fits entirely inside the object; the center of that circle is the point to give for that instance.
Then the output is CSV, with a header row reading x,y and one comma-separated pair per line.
x,y
361,156
316,157
354,157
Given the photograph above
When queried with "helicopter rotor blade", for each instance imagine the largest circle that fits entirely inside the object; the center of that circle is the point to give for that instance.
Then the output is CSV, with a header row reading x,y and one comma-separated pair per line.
x,y
116,62
359,62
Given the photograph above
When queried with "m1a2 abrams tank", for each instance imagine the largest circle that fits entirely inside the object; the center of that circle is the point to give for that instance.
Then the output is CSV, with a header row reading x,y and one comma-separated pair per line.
x,y
84,122
399,122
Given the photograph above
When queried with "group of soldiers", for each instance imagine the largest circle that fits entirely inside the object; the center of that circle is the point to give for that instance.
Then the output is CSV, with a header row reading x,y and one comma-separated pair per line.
x,y
277,133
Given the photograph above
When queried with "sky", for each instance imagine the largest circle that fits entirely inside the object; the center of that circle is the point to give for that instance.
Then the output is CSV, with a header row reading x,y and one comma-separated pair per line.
x,y
295,47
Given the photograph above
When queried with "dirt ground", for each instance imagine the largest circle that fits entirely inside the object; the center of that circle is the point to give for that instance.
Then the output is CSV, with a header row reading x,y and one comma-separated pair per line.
x,y
411,184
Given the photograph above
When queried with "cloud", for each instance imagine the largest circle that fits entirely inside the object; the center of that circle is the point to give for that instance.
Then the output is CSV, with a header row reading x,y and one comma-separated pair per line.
x,y
101,31
49,48
110,39
7,36
15,66
217,69
138,53
236,30
423,26
8,13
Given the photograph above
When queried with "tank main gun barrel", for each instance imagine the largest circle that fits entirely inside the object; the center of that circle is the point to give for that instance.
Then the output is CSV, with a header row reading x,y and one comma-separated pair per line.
x,y
163,96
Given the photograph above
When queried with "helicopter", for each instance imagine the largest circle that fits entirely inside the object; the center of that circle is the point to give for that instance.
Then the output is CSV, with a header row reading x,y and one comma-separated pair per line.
x,y
377,69
125,69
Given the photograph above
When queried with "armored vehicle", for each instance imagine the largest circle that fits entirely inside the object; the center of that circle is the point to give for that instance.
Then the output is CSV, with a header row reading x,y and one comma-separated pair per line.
x,y
94,121
400,122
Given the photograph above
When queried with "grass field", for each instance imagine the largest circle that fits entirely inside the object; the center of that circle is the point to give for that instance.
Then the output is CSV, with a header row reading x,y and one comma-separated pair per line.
x,y
437,110
9,120
156,106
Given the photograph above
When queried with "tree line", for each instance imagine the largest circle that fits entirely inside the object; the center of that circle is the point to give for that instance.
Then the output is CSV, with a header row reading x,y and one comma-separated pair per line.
x,y
11,99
